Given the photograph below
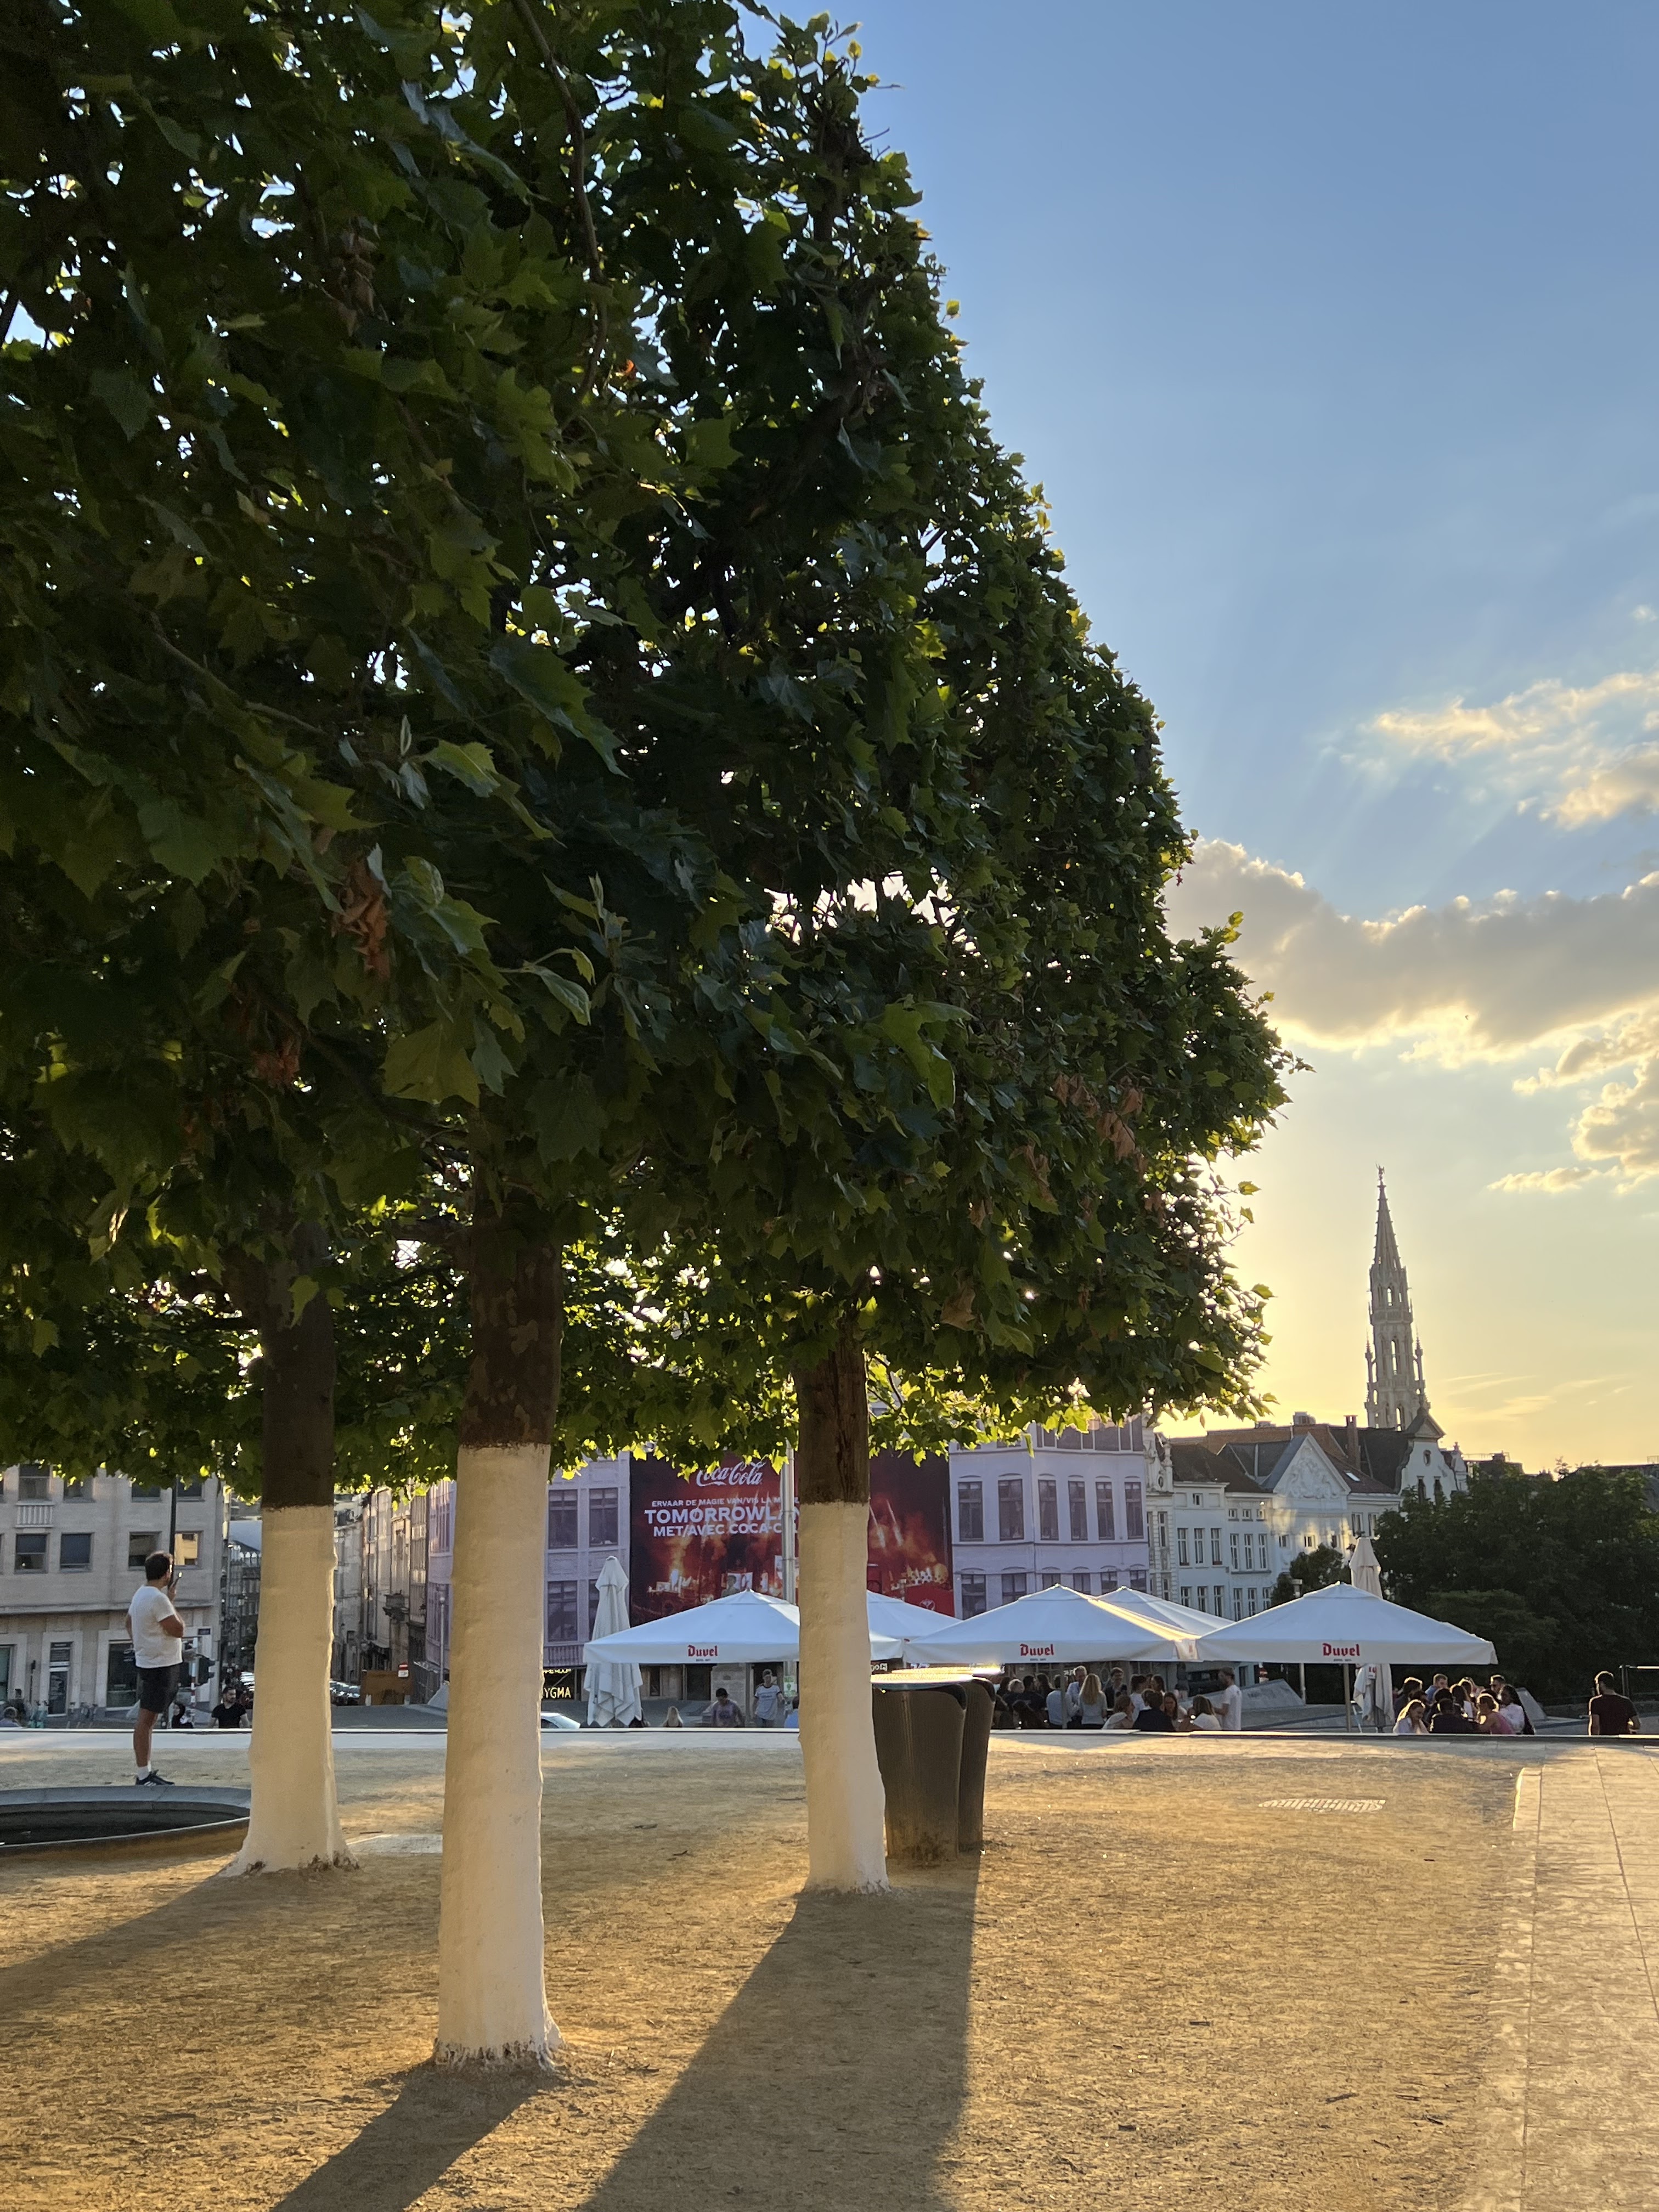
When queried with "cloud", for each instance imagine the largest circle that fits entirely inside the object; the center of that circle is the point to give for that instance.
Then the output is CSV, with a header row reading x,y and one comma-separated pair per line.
x,y
1466,980
1582,751
1547,1179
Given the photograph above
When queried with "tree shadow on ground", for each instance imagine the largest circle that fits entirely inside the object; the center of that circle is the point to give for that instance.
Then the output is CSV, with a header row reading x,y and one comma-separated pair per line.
x,y
837,2074
437,2119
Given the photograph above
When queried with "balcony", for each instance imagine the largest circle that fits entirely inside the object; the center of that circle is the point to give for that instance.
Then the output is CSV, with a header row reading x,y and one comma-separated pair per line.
x,y
34,1516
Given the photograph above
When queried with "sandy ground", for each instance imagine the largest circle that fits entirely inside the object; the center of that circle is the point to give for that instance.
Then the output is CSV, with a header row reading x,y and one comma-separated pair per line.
x,y
1156,1988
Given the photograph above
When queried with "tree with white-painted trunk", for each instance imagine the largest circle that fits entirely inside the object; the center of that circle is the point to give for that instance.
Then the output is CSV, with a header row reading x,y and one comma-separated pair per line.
x,y
492,2003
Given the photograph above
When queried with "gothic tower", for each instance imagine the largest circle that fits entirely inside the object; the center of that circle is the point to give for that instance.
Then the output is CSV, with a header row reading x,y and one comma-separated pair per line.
x,y
1394,1390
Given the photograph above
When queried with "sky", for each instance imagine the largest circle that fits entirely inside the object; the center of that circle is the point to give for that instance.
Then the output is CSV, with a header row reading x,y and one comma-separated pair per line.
x,y
1332,334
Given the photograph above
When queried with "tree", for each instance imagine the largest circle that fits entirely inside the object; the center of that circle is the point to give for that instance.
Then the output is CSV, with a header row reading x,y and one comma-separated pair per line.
x,y
1308,1570
1567,1566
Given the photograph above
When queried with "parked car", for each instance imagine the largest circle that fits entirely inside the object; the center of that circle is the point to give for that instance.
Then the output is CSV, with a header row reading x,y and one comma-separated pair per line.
x,y
345,1694
559,1721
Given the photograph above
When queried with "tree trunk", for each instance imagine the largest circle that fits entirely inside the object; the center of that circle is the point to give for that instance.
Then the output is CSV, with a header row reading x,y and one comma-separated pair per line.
x,y
846,1844
492,2000
294,1819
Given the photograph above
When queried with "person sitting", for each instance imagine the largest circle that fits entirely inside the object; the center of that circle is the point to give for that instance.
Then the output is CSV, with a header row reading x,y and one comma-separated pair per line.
x,y
1122,1715
1090,1704
1513,1714
1156,1717
1413,1718
1449,1718
1138,1693
1054,1704
1486,1721
671,1717
1204,1720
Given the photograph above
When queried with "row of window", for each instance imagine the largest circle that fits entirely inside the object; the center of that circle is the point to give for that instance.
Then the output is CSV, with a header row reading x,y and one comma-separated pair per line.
x,y
29,1555
563,1617
604,1514
974,1598
1190,1549
1214,1600
1130,1438
1010,1511
34,1482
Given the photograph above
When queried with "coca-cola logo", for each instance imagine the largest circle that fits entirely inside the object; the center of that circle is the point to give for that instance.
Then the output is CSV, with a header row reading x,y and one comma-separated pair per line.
x,y
1340,1650
754,1471
703,1650
1036,1651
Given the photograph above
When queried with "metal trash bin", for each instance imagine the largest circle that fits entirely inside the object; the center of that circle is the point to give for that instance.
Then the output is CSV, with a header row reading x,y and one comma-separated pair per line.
x,y
932,1732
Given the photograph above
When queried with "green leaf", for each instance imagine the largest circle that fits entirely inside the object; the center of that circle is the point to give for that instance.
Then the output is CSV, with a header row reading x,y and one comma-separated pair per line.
x,y
128,398
431,1065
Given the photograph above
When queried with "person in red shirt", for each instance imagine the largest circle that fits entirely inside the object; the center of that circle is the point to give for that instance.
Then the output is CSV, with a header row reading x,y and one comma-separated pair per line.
x,y
1609,1713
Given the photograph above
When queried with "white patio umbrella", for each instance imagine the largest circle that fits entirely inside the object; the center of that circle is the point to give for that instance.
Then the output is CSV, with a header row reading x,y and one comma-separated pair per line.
x,y
735,1631
1183,1619
613,1685
1057,1624
893,1616
1345,1626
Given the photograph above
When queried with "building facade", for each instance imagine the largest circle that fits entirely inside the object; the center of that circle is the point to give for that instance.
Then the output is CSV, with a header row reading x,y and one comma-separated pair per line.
x,y
71,1555
1064,1505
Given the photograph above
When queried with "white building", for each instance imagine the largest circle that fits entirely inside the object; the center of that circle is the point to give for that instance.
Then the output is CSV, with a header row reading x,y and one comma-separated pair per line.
x,y
71,1555
1063,1506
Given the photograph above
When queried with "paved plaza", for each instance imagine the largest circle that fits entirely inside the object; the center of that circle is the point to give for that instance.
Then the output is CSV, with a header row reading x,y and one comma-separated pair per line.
x,y
1247,1972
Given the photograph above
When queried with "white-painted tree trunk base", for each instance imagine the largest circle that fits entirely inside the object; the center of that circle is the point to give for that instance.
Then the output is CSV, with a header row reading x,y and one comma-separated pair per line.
x,y
845,1805
492,1998
294,1819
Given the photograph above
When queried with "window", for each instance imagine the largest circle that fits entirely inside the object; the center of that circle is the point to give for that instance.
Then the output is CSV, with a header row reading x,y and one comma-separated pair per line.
x,y
146,1490
31,1555
1049,1581
1105,1519
1215,1547
34,1481
970,1513
1011,1510
1137,1578
562,1612
1238,1605
1264,1602
77,1489
1180,1546
973,1594
561,1520
187,1548
1187,1595
1048,1511
1309,1542
601,1518
1081,1582
1076,1505
1108,1581
121,1680
1013,1586
189,1489
141,1542
75,1550
1135,1520
1234,1548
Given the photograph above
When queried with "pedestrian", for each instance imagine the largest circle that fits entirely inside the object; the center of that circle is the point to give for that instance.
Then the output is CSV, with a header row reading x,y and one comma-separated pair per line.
x,y
227,1712
723,1713
157,1636
1073,1694
792,1719
1227,1704
768,1702
1413,1718
1053,1706
1610,1714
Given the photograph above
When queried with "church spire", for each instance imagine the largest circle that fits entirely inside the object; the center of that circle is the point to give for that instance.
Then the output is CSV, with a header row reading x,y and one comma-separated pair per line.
x,y
1395,1392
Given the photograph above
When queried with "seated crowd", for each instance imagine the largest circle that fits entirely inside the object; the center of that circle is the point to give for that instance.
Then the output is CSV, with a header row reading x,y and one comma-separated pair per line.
x,y
1465,1708
1080,1699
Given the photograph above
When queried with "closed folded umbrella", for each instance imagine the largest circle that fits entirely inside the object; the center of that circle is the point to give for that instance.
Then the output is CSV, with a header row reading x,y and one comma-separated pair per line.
x,y
613,1685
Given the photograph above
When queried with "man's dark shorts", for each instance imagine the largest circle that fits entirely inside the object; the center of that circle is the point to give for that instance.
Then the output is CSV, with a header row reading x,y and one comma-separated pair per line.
x,y
155,1687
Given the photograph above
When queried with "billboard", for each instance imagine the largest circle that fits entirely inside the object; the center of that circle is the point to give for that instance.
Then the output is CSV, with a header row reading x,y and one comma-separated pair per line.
x,y
910,1553
694,1537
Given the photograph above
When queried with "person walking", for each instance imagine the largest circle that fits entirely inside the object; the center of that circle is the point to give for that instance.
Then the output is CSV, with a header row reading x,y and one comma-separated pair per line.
x,y
768,1702
723,1713
158,1649
1611,1714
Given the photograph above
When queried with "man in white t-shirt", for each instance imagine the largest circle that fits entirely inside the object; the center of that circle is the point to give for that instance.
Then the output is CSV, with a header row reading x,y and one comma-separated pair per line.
x,y
768,1702
1229,1703
158,1647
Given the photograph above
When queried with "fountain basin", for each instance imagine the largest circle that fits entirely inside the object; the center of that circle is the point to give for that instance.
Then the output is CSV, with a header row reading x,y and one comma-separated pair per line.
x,y
121,1816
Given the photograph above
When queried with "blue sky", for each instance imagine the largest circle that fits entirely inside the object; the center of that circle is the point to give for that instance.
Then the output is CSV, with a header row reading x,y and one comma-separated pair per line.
x,y
1333,335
